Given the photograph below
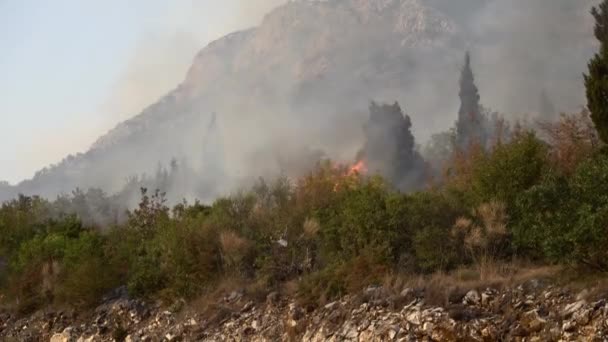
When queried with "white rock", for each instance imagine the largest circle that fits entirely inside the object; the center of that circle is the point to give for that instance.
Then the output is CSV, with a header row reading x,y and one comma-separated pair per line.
x,y
569,326
331,305
582,295
63,337
485,298
414,317
350,332
91,338
406,292
573,307
472,298
392,333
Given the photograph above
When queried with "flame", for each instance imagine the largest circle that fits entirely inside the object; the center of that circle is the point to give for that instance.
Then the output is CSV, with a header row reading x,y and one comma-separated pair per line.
x,y
358,169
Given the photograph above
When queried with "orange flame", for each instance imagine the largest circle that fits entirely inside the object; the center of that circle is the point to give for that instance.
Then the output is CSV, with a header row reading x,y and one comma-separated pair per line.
x,y
358,169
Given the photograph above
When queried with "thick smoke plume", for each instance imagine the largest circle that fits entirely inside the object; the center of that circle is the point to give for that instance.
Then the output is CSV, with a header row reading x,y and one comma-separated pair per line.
x,y
271,100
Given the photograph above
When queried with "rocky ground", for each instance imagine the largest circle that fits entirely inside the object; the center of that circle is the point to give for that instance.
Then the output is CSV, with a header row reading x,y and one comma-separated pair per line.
x,y
532,311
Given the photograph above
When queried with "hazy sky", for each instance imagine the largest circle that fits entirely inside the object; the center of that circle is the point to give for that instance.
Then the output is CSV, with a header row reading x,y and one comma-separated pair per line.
x,y
71,69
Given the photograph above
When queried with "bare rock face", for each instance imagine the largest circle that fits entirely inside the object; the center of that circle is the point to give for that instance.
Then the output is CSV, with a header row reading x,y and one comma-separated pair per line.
x,y
545,313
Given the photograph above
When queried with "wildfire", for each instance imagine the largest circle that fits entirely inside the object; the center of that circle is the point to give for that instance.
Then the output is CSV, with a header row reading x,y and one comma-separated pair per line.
x,y
359,168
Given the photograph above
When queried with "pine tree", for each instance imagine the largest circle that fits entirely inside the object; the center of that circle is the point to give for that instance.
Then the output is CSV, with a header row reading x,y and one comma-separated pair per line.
x,y
469,127
596,81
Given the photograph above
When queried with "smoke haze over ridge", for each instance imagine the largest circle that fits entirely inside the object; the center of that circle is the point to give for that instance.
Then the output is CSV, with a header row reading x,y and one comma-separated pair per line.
x,y
304,78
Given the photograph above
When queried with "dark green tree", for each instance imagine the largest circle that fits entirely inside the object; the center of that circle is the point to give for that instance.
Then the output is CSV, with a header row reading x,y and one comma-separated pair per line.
x,y
469,127
596,81
390,147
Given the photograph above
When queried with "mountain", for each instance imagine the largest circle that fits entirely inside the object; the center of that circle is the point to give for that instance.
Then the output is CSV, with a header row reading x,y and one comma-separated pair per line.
x,y
270,99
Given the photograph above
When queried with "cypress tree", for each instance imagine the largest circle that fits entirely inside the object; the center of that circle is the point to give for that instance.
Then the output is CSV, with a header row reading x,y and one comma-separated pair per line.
x,y
469,127
596,82
390,147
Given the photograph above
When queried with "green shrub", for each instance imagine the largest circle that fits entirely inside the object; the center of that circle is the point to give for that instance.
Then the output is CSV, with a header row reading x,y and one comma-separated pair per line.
x,y
434,249
541,219
509,169
146,276
86,273
63,263
341,278
567,219
360,222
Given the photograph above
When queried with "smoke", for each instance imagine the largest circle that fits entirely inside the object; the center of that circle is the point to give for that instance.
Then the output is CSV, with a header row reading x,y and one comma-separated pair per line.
x,y
523,47
390,148
150,73
271,101
163,54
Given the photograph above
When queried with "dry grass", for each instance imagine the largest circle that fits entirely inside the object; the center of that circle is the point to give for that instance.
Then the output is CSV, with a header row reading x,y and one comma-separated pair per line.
x,y
224,287
482,235
493,216
234,248
578,280
311,227
443,288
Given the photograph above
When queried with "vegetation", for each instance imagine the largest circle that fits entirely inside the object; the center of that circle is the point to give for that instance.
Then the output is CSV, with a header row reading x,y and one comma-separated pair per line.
x,y
469,126
539,196
330,232
596,81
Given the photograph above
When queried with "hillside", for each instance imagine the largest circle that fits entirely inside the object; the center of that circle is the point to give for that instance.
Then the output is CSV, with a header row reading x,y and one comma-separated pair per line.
x,y
298,85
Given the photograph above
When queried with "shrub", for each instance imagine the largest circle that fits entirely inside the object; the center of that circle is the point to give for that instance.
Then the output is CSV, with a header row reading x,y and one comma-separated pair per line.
x,y
64,263
341,278
509,169
145,276
86,273
572,140
361,221
234,250
434,249
567,218
484,235
181,259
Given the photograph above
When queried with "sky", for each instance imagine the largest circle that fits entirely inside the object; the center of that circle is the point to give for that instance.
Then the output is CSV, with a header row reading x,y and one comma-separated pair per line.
x,y
70,70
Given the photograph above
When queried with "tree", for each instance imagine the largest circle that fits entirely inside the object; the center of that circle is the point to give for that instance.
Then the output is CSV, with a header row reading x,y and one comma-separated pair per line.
x,y
509,169
469,127
596,82
390,148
